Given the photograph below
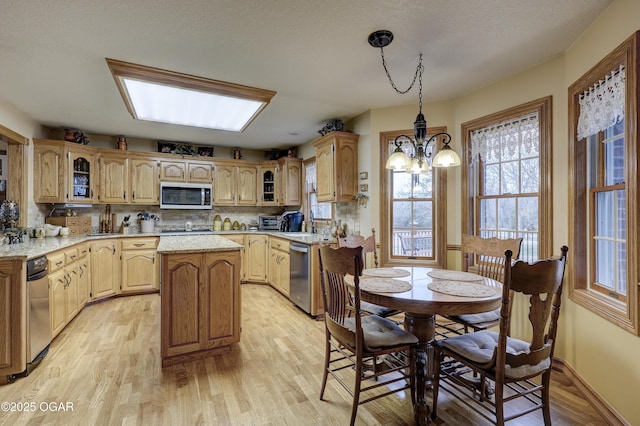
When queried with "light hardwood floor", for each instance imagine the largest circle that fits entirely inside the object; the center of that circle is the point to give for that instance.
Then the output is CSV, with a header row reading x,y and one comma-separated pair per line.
x,y
106,363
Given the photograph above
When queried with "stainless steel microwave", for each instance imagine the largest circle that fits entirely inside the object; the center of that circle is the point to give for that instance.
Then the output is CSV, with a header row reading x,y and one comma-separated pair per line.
x,y
176,195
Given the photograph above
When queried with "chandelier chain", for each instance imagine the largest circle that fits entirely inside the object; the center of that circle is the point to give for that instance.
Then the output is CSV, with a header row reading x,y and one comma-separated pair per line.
x,y
419,70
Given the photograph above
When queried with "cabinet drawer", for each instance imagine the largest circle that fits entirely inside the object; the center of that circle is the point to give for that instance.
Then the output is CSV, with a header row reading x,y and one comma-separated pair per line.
x,y
69,221
83,250
70,255
139,243
56,261
281,245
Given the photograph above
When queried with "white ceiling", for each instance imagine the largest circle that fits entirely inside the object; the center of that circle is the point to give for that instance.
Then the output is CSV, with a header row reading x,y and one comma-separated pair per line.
x,y
314,54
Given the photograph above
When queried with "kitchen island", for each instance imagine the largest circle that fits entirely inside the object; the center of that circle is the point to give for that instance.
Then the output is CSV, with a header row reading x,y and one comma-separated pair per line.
x,y
200,296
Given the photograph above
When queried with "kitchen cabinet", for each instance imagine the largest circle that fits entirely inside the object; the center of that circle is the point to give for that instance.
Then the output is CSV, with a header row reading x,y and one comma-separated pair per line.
x,y
336,167
78,225
64,172
105,268
240,239
114,178
279,262
290,181
13,317
139,267
145,181
186,171
200,304
268,185
64,288
235,184
256,257
84,275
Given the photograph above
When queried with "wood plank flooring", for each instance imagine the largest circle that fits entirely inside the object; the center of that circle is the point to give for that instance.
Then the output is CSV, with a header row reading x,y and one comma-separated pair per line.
x,y
106,363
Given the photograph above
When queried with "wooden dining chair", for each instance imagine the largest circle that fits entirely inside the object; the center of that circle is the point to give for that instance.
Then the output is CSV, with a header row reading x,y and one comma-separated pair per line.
x,y
368,245
352,339
485,257
512,365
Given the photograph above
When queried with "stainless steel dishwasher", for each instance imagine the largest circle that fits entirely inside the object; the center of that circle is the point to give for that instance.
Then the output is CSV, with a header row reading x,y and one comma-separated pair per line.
x,y
300,282
39,335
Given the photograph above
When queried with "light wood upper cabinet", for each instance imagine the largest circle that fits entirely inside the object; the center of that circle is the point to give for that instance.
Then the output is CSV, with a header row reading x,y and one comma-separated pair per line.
x,y
49,173
64,172
145,181
268,185
235,184
114,179
337,166
13,317
290,181
186,171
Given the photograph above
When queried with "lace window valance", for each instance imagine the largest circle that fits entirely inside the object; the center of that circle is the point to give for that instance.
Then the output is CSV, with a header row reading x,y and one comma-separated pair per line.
x,y
518,137
602,105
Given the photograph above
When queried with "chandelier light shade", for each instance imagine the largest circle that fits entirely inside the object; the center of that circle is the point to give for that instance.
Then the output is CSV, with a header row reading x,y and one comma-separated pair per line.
x,y
420,161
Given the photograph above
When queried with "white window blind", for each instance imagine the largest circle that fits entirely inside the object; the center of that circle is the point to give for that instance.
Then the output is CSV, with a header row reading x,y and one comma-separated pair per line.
x,y
514,137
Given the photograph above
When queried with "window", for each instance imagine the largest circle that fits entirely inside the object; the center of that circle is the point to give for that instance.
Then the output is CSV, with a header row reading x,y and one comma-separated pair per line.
x,y
413,210
319,211
507,167
603,165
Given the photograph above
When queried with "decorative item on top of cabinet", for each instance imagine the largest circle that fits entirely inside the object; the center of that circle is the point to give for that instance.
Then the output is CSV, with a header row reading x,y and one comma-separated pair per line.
x,y
337,166
122,143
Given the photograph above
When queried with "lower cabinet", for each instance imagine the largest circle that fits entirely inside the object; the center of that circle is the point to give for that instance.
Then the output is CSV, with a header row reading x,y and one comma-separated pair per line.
x,y
240,239
84,275
13,317
200,304
67,291
139,268
279,259
105,268
256,257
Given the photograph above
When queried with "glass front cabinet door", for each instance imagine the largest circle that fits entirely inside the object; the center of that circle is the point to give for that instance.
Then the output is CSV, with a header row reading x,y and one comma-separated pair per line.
x,y
81,177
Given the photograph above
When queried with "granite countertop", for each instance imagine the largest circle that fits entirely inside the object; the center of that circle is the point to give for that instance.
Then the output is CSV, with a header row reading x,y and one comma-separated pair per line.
x,y
34,247
195,243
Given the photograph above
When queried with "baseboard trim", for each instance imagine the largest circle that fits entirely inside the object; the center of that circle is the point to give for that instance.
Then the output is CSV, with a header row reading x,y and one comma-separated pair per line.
x,y
601,406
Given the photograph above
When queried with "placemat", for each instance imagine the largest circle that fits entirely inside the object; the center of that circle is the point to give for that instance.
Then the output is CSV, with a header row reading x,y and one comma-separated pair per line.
x,y
385,272
455,288
380,285
447,274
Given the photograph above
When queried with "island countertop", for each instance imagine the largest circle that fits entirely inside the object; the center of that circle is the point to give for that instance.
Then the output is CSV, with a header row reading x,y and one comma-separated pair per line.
x,y
195,243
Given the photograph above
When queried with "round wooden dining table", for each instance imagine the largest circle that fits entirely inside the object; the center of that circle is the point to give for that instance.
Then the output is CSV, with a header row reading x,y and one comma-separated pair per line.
x,y
421,304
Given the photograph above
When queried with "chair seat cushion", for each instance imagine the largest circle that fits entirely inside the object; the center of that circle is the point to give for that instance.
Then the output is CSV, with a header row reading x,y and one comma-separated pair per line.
x,y
479,347
480,318
381,311
380,332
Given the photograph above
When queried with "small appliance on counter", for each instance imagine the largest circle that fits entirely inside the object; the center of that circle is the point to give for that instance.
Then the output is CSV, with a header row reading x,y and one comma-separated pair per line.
x,y
268,223
291,221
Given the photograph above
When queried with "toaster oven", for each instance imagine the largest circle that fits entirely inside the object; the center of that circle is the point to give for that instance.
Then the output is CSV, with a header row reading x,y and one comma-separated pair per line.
x,y
268,223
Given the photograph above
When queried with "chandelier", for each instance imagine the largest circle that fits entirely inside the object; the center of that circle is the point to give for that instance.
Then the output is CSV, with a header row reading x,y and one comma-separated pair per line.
x,y
420,160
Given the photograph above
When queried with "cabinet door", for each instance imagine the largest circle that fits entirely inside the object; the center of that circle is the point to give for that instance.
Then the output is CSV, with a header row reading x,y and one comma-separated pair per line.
x,y
13,317
84,273
200,172
284,266
346,170
49,173
221,306
268,185
246,185
240,239
324,173
114,179
256,256
291,183
274,270
104,269
173,171
57,284
82,176
224,185
139,271
180,299
145,182
71,292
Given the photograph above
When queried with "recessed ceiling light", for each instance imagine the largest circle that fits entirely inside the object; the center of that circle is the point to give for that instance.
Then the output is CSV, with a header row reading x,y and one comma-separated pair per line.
x,y
154,94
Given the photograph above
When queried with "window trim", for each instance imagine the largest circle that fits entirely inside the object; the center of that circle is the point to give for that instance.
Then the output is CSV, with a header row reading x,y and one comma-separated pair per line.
x,y
625,315
470,211
440,206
